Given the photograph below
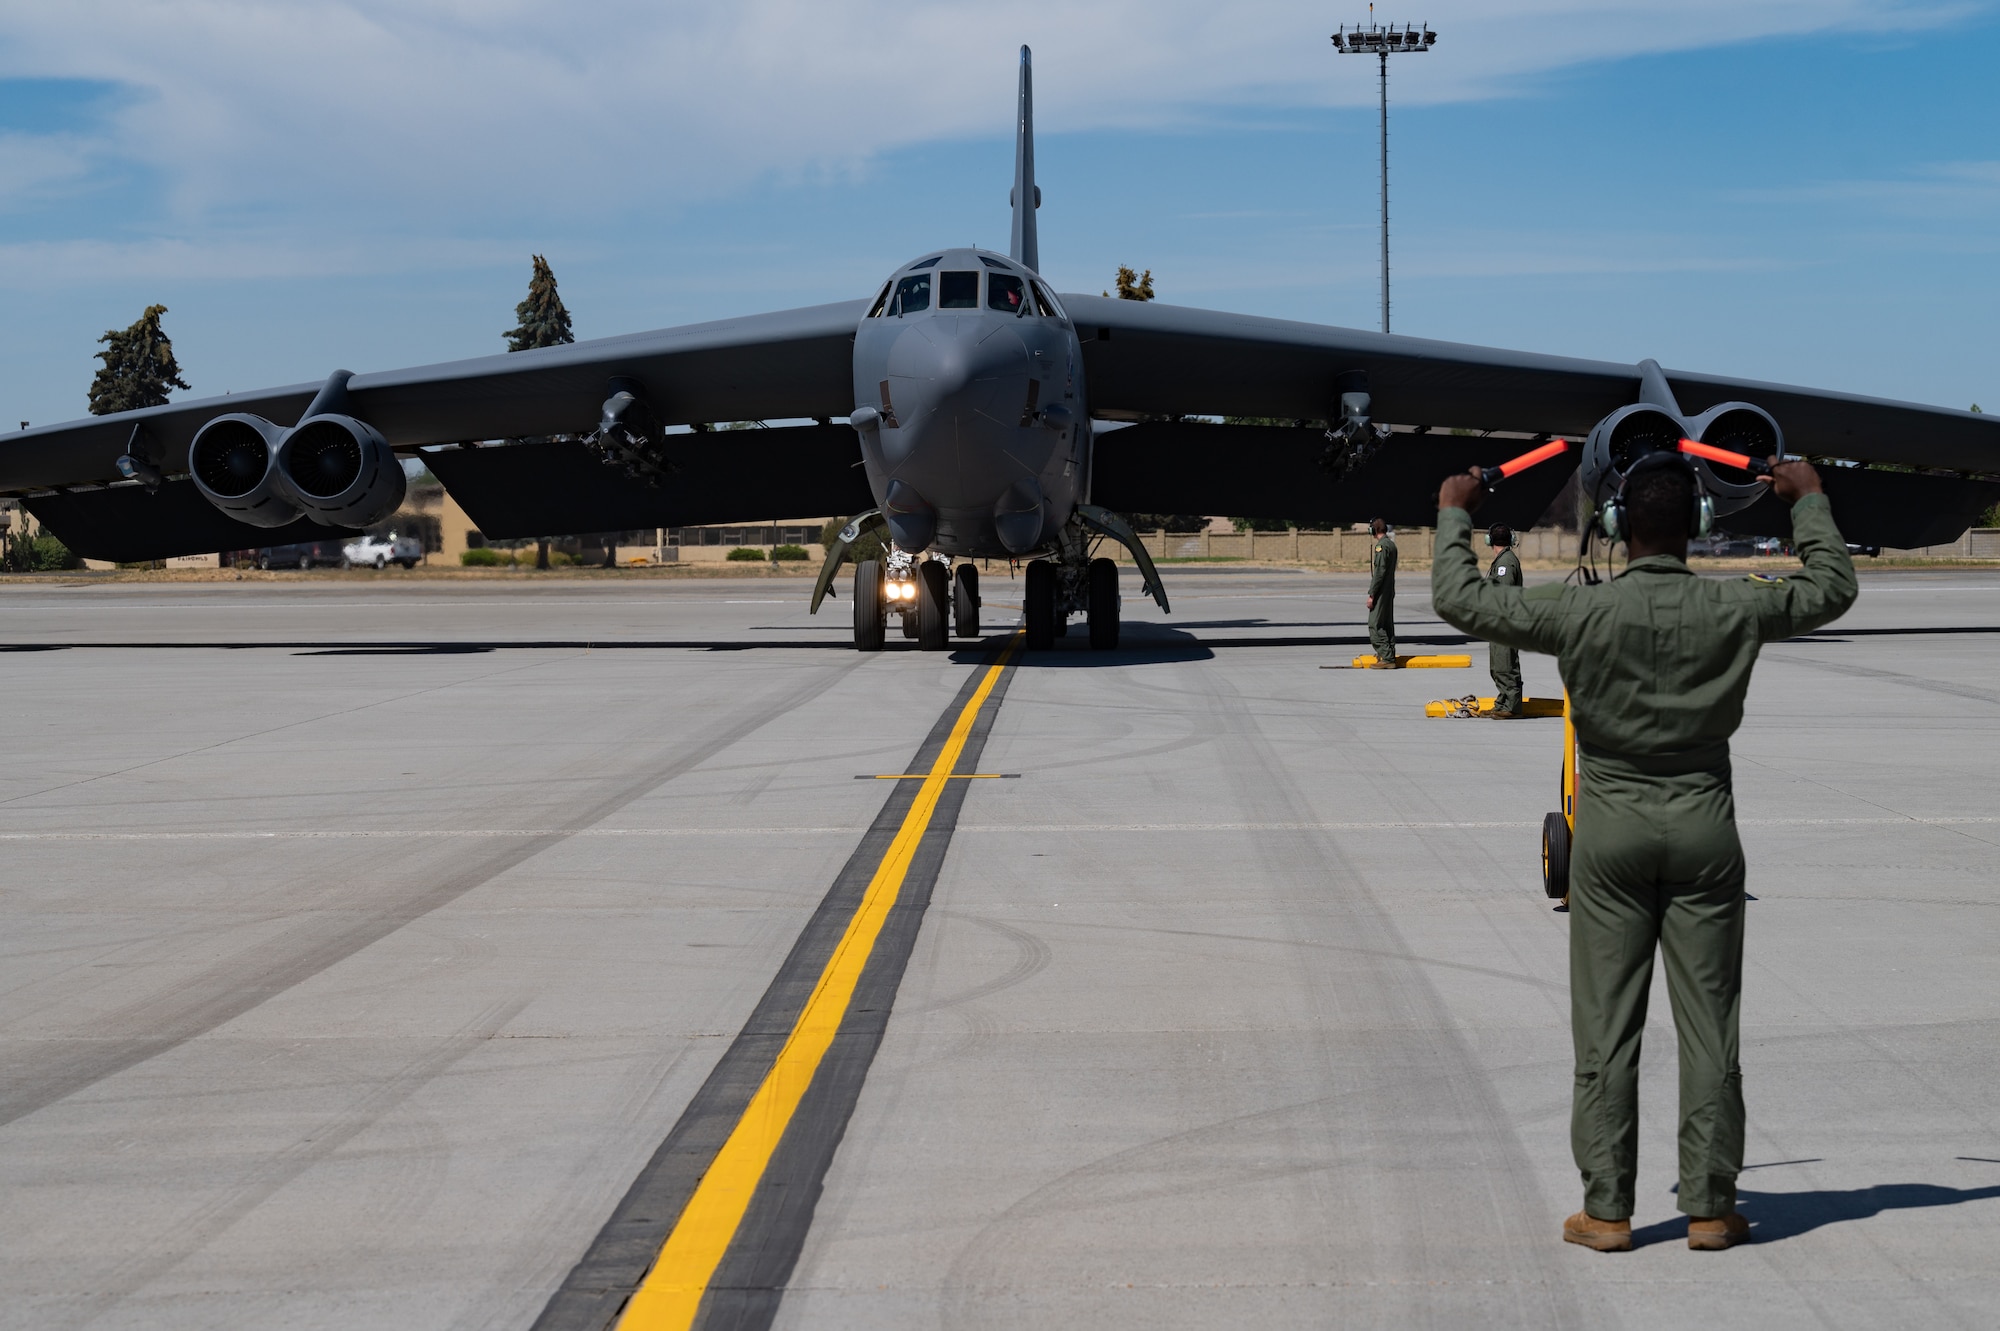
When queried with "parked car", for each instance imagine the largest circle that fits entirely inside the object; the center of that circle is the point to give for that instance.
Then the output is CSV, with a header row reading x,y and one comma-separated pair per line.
x,y
382,551
1721,546
304,554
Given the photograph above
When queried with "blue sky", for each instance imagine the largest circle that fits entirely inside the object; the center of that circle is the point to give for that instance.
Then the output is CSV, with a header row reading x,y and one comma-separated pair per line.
x,y
1769,188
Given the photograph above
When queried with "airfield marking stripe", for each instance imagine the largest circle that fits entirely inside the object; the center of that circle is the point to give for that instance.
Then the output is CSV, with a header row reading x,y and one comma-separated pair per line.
x,y
671,1294
746,1288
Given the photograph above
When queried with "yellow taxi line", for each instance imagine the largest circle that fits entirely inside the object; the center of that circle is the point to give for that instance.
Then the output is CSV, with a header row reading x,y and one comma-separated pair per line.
x,y
670,1296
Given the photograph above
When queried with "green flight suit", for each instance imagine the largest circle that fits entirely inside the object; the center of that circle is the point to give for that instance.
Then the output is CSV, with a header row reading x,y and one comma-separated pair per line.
x,y
1503,661
1657,662
1382,589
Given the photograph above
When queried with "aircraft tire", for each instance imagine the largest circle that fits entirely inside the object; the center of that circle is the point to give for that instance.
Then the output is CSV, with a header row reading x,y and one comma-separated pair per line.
x,y
933,607
965,601
1038,585
868,617
1103,606
1555,856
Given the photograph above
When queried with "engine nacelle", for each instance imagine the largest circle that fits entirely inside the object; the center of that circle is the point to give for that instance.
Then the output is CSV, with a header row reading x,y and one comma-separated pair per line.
x,y
234,461
341,472
1627,434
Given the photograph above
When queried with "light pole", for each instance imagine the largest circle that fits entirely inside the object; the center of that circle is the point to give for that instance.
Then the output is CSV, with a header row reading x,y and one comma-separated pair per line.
x,y
1384,42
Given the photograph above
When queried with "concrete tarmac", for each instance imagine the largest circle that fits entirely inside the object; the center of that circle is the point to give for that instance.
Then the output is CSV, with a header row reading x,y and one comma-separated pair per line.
x,y
360,944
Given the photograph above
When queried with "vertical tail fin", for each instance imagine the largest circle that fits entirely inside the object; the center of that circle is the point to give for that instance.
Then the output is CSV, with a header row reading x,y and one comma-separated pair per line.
x,y
1027,196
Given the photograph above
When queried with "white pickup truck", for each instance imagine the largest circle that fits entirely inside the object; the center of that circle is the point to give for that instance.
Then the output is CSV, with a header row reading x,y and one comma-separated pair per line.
x,y
382,551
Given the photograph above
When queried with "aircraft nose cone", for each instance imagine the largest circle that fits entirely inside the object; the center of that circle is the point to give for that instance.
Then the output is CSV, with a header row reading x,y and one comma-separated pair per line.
x,y
948,355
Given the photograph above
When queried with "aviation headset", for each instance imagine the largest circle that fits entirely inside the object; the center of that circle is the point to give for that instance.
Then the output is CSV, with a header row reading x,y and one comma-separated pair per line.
x,y
1701,514
1499,537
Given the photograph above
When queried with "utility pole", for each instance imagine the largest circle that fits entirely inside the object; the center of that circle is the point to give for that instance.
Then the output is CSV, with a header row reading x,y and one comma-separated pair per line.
x,y
1382,42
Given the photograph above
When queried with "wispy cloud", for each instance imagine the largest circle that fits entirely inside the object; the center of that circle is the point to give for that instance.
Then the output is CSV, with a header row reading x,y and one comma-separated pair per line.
x,y
440,111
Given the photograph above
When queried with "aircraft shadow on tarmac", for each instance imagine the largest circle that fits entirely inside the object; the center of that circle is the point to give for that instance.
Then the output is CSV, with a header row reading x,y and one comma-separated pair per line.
x,y
1785,1215
435,648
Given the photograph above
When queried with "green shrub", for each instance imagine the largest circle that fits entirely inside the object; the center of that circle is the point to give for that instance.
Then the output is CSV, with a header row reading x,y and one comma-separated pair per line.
x,y
485,557
41,553
744,554
561,559
788,554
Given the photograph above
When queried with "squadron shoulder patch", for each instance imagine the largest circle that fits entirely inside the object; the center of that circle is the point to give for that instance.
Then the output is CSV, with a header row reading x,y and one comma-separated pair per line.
x,y
1767,579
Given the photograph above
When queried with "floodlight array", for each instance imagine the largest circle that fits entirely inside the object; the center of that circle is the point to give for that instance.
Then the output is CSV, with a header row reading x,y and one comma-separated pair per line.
x,y
1383,40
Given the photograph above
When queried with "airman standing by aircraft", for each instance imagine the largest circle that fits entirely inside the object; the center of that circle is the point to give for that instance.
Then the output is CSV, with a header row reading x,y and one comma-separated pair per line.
x,y
1382,596
1502,660
1657,662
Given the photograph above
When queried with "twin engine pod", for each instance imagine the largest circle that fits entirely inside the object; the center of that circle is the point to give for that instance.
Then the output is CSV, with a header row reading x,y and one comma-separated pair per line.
x,y
331,468
1629,433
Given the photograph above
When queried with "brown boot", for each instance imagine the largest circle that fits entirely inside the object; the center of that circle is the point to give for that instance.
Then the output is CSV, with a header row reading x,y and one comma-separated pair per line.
x,y
1717,1233
1603,1235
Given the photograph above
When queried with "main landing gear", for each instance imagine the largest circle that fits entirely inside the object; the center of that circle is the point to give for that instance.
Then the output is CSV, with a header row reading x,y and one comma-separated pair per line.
x,y
1071,583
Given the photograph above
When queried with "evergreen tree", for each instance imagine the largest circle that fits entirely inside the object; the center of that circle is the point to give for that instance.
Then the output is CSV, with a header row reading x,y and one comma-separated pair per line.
x,y
543,320
139,367
1134,286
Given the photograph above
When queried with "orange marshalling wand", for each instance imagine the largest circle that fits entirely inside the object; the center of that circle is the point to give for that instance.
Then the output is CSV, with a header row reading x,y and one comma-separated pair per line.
x,y
1492,476
1742,461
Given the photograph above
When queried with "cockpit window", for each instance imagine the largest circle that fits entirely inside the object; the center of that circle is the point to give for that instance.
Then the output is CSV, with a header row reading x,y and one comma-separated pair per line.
x,y
913,293
1004,291
881,304
927,263
1046,302
958,291
991,262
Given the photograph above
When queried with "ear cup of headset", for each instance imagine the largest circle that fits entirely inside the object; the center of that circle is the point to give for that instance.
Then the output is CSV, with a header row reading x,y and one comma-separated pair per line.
x,y
1701,515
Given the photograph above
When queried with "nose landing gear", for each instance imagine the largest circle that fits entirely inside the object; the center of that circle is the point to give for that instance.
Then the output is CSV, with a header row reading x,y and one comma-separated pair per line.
x,y
965,601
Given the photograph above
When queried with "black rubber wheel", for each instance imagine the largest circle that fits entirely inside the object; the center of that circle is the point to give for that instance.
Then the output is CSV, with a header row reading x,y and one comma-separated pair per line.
x,y
380,563
1039,604
1103,606
933,607
264,563
407,564
965,601
1555,856
868,625
305,562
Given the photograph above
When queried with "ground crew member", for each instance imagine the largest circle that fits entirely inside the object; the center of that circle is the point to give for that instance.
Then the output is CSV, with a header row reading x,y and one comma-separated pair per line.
x,y
1657,662
1503,661
1382,597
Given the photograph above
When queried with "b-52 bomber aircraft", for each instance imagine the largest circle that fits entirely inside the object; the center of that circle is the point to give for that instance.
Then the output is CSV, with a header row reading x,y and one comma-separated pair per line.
x,y
985,416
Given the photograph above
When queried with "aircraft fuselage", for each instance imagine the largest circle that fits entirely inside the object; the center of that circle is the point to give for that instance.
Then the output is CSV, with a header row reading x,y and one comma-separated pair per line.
x,y
969,403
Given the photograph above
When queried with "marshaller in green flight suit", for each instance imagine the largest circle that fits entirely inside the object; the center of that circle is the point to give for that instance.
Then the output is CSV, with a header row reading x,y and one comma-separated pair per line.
x,y
1657,663
1502,660
1382,596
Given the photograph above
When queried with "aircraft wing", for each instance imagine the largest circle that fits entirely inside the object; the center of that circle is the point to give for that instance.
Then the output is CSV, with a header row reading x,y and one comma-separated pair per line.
x,y
1146,359
788,364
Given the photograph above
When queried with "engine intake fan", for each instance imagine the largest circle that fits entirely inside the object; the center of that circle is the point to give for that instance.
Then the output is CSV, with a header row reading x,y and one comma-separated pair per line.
x,y
234,463
1629,433
330,466
341,472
